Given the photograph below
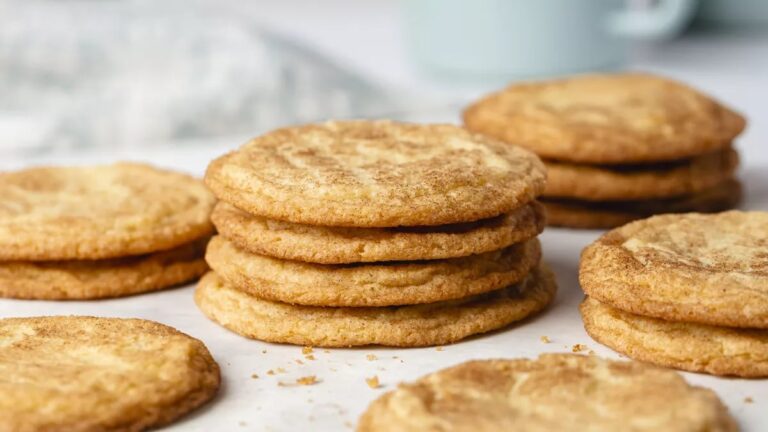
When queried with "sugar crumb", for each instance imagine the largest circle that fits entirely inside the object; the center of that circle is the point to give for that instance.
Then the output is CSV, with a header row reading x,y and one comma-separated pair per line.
x,y
307,380
578,348
373,382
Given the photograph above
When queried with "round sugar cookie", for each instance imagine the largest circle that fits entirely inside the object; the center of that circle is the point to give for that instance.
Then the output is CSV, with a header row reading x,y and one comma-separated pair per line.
x,y
405,326
583,214
99,374
116,277
376,174
639,182
692,347
340,245
378,284
554,392
98,212
607,119
708,269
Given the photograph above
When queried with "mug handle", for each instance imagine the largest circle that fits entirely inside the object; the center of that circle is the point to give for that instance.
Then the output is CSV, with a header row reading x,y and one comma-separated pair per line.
x,y
665,19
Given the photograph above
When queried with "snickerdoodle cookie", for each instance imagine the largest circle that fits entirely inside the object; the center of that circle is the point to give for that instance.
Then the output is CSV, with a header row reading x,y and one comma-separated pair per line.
x,y
552,393
407,326
692,347
374,284
640,182
98,212
99,374
708,269
116,277
376,174
584,214
339,245
607,119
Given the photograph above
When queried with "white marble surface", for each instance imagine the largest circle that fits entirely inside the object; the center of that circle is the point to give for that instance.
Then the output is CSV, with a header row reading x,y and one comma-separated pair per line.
x,y
733,68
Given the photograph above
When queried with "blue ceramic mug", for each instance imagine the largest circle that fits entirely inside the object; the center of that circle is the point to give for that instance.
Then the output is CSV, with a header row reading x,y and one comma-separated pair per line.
x,y
519,38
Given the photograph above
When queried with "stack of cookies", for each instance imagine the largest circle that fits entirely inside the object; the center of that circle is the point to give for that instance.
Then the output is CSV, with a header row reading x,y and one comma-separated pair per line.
x,y
374,232
619,147
688,291
104,231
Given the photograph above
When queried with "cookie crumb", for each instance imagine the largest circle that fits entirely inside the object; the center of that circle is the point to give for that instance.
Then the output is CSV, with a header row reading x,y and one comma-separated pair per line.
x,y
327,351
371,357
299,362
591,352
306,350
254,376
309,357
439,349
748,400
578,348
373,382
263,351
348,424
307,380
242,423
281,370
545,339
270,372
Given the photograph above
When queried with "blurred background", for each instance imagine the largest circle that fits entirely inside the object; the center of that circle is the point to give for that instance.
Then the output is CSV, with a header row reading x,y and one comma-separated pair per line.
x,y
127,78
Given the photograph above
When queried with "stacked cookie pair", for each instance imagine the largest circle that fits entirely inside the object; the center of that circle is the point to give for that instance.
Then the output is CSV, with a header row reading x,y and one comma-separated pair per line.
x,y
687,291
103,231
619,147
374,232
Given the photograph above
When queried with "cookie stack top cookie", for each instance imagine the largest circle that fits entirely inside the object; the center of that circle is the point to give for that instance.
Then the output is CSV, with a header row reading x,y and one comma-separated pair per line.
x,y
98,212
607,119
376,174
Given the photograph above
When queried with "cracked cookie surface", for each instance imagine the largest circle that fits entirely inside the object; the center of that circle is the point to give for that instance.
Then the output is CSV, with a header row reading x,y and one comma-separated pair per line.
x,y
376,174
552,392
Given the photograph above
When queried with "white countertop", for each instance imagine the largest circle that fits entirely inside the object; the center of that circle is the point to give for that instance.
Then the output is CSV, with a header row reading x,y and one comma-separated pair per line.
x,y
734,69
